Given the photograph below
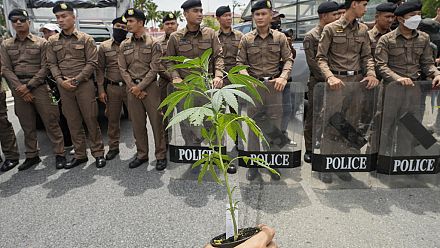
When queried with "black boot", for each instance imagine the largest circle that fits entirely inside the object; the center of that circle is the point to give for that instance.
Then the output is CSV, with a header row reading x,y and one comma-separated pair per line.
x,y
28,163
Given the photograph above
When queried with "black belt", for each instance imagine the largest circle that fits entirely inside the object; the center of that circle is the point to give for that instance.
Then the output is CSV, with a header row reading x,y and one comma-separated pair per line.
x,y
24,77
346,73
119,83
263,79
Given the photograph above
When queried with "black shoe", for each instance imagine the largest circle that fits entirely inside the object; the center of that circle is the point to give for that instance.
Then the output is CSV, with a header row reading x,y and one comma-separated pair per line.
x,y
100,162
161,164
60,162
136,163
28,163
75,162
232,169
308,157
8,165
111,154
326,178
274,176
252,173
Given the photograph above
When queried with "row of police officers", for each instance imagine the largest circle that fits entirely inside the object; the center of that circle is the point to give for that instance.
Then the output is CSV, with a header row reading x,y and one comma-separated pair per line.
x,y
126,72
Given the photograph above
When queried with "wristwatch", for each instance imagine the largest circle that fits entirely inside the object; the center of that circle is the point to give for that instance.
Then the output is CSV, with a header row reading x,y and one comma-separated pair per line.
x,y
75,81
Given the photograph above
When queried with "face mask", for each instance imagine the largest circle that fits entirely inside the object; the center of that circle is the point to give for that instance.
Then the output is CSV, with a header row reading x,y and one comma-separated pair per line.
x,y
119,34
275,25
413,22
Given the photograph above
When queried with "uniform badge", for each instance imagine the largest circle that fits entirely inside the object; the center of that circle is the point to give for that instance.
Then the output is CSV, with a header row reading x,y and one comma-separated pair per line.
x,y
171,16
63,6
269,5
339,30
123,19
131,12
25,13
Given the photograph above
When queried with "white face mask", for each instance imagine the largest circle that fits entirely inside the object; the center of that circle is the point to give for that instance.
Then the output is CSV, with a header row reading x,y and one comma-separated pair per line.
x,y
413,22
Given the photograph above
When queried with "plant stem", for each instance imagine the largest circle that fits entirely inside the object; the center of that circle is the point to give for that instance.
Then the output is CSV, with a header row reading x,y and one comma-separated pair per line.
x,y
228,189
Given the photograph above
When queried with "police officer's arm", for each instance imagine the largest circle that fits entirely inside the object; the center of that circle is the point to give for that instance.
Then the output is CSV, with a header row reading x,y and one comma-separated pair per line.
x,y
154,67
242,54
427,62
367,61
382,56
41,75
171,51
100,70
218,57
91,54
287,58
309,44
52,63
323,48
123,67
7,70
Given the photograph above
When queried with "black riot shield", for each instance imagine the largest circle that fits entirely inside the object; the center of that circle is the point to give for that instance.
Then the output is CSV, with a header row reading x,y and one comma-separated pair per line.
x,y
345,135
409,147
280,118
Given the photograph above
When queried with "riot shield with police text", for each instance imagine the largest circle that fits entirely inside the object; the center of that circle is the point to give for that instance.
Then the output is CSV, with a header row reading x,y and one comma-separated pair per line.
x,y
409,151
280,118
345,135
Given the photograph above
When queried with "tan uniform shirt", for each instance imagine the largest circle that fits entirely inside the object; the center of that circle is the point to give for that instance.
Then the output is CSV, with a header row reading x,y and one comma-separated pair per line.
x,y
263,56
108,66
192,45
21,59
229,43
140,59
311,41
399,57
164,74
73,56
343,47
374,35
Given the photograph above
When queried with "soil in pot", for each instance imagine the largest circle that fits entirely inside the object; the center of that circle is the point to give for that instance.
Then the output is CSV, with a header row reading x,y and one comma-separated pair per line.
x,y
243,235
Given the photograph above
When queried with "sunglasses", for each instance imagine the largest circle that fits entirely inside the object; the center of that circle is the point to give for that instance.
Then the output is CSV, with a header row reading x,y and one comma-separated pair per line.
x,y
21,19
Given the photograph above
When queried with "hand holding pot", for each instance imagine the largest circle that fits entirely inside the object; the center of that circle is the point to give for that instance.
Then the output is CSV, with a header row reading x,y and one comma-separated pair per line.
x,y
263,239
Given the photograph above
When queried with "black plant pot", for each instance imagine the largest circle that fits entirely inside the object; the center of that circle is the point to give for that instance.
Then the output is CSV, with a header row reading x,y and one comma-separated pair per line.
x,y
243,235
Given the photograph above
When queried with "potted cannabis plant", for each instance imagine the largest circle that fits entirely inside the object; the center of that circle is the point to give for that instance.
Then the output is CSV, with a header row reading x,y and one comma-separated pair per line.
x,y
216,122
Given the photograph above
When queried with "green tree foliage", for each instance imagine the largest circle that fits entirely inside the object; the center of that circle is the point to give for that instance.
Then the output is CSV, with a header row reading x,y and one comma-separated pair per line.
x,y
430,7
211,22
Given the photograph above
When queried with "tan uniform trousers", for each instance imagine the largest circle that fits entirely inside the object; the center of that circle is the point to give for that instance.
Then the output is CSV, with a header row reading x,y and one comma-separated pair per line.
x,y
308,121
271,111
138,111
7,134
116,96
80,106
344,100
49,112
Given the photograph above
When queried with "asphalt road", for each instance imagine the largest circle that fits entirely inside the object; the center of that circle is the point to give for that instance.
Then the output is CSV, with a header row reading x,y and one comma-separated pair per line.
x,y
120,207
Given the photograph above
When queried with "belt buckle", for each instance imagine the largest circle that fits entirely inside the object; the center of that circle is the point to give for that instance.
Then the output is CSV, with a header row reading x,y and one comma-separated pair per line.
x,y
120,83
350,73
137,81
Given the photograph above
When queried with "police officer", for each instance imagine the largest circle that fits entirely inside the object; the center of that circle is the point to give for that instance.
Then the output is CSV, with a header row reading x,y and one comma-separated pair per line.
x,y
48,30
342,9
229,40
115,93
191,41
24,67
262,50
328,12
72,57
344,55
139,62
170,25
401,56
384,19
8,140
